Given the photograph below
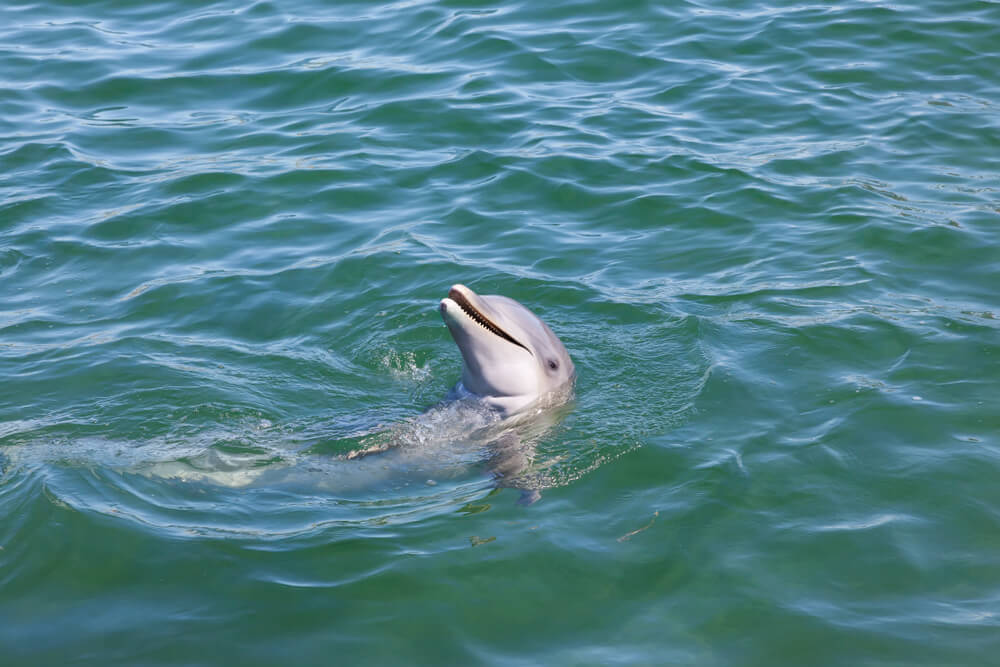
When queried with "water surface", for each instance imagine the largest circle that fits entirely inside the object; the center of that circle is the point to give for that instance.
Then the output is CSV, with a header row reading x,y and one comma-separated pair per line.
x,y
767,232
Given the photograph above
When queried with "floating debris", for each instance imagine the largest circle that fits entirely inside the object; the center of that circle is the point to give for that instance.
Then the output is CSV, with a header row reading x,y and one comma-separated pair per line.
x,y
628,536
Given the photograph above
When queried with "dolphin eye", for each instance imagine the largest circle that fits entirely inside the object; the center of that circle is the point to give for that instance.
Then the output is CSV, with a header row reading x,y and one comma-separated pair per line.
x,y
553,364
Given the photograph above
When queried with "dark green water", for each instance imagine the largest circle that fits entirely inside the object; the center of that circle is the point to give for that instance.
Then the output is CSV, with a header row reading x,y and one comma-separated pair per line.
x,y
768,233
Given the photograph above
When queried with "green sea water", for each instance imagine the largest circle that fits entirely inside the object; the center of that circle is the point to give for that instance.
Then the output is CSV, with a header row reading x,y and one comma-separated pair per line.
x,y
768,233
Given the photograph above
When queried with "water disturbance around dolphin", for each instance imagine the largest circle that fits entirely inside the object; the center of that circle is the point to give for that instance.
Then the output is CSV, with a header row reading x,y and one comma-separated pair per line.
x,y
512,420
516,386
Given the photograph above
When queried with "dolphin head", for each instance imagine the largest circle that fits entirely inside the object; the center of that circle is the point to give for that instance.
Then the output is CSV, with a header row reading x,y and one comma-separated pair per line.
x,y
511,357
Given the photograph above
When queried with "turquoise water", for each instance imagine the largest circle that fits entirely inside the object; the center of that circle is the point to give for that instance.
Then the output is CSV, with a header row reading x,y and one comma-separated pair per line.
x,y
768,233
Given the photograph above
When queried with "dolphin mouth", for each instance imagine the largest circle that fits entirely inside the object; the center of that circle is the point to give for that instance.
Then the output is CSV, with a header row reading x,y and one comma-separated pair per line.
x,y
480,318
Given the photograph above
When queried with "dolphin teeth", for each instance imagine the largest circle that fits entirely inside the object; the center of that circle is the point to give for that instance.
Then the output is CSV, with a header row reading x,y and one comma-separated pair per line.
x,y
481,319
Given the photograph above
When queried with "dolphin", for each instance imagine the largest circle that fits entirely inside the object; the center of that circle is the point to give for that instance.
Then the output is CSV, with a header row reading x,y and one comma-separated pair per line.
x,y
511,359
516,379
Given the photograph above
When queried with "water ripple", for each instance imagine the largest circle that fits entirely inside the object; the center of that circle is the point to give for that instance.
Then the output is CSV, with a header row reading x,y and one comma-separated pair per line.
x,y
767,234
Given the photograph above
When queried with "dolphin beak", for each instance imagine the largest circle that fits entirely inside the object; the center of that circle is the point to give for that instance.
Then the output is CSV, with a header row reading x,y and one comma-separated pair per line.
x,y
464,300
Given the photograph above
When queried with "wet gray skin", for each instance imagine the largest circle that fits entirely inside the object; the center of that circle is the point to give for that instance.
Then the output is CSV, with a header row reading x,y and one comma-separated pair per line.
x,y
511,358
